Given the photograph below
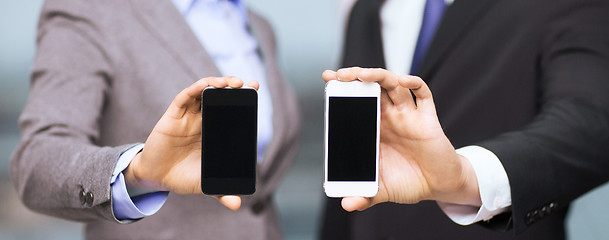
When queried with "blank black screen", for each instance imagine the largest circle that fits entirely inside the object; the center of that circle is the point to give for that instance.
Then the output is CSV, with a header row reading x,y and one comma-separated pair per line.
x,y
352,138
229,141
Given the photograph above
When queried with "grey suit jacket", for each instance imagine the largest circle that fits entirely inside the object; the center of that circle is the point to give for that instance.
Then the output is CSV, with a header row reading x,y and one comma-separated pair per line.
x,y
104,73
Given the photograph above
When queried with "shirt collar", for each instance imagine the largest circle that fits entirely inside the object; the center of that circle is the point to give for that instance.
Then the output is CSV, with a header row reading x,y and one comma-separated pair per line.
x,y
184,5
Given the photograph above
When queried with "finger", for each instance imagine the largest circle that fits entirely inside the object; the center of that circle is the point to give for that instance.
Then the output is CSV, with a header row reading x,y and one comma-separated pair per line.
x,y
218,82
351,204
254,85
188,99
386,102
329,75
231,202
386,79
420,90
234,82
389,81
348,74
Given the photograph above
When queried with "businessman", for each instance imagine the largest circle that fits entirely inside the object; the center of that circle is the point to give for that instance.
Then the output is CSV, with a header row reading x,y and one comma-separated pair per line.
x,y
519,90
115,104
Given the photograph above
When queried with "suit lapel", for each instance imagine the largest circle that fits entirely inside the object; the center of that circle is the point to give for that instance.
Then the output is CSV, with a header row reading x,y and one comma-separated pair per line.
x,y
166,23
363,44
273,82
455,23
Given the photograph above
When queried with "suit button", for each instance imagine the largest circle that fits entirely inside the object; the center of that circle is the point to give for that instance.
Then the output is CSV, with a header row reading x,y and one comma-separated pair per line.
x,y
258,207
89,199
82,195
529,218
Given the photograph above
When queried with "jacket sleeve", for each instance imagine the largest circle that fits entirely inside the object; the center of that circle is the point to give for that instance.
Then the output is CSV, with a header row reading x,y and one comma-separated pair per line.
x,y
562,153
58,168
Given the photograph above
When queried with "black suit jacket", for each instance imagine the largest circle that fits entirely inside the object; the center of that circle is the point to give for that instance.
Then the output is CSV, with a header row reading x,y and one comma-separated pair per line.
x,y
528,80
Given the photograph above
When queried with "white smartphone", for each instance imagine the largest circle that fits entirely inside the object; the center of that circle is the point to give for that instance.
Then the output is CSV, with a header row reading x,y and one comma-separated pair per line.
x,y
352,121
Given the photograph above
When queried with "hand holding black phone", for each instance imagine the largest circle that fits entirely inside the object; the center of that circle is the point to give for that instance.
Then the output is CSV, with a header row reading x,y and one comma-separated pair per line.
x,y
229,141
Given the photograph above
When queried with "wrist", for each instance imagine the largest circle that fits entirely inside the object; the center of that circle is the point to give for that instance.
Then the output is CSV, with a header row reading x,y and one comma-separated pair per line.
x,y
133,176
130,172
470,193
466,192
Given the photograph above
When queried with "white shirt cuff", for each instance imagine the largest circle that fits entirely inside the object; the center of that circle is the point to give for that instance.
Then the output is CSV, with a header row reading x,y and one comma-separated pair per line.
x,y
123,205
493,184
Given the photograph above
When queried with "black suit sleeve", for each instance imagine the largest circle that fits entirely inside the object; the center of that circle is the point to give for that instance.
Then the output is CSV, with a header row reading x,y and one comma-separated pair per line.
x,y
562,153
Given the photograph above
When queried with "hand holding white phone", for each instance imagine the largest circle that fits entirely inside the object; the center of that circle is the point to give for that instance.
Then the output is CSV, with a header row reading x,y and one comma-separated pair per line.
x,y
418,161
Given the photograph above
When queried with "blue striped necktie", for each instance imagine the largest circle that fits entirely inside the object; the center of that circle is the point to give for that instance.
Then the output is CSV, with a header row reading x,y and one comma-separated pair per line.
x,y
431,19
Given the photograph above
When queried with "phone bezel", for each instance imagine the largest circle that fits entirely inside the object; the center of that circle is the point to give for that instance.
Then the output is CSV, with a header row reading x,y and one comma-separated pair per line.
x,y
228,186
335,88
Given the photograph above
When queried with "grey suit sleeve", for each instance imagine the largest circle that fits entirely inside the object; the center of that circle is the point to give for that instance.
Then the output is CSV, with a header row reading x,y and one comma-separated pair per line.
x,y
57,168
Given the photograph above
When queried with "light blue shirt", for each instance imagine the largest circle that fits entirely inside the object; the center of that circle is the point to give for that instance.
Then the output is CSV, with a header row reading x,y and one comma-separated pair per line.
x,y
221,27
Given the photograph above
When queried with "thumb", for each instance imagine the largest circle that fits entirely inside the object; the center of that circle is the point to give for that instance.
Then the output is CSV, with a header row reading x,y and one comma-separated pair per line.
x,y
231,202
351,204
189,98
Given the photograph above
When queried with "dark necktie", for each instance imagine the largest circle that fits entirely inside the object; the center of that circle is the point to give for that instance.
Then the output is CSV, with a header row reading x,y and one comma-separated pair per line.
x,y
431,19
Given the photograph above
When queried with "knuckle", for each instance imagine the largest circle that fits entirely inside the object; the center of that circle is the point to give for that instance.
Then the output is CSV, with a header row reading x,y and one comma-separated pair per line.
x,y
418,79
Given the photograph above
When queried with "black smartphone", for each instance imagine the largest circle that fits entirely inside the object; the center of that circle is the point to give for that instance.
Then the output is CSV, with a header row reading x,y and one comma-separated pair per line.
x,y
229,141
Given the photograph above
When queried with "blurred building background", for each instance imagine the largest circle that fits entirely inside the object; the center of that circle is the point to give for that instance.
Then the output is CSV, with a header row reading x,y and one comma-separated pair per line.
x,y
309,35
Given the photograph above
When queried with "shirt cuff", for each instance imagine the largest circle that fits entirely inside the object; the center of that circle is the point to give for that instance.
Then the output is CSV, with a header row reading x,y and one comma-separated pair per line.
x,y
493,184
124,206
